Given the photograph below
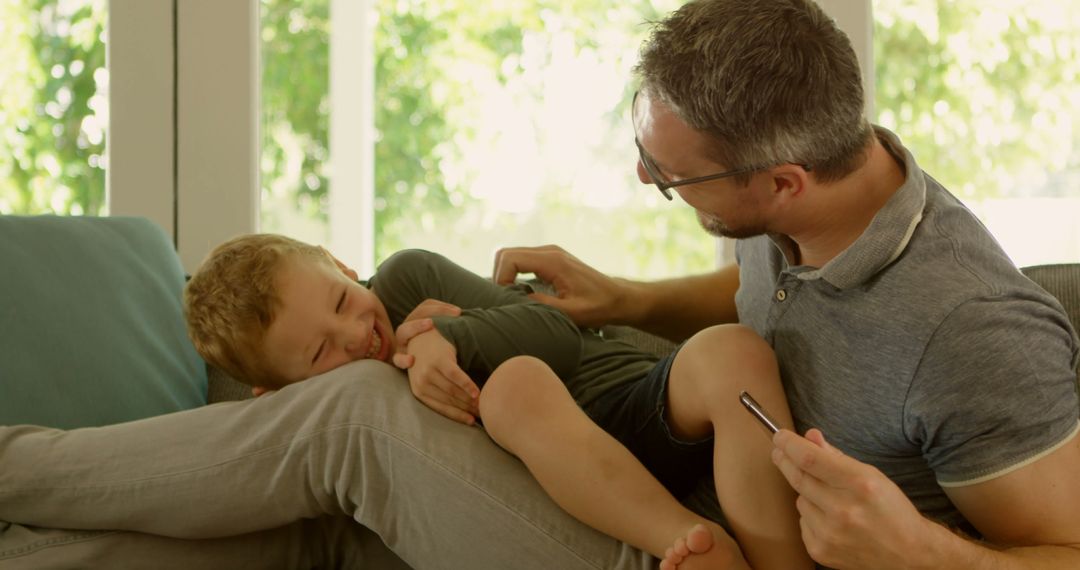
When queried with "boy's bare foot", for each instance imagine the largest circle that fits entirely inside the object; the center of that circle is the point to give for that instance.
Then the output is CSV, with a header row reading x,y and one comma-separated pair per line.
x,y
700,549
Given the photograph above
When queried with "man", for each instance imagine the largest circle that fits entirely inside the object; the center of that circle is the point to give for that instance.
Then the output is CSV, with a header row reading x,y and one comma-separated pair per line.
x,y
944,381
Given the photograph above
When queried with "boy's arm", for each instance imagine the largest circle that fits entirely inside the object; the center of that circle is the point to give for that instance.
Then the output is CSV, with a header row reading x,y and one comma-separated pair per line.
x,y
496,323
438,382
416,322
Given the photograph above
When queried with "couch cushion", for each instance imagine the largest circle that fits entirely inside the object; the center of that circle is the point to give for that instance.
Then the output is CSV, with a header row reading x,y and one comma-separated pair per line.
x,y
91,326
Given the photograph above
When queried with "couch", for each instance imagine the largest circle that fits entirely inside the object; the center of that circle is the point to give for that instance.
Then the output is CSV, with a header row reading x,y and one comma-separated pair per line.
x,y
108,291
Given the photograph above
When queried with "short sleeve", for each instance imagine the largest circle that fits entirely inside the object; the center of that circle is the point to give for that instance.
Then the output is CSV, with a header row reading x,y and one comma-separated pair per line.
x,y
996,388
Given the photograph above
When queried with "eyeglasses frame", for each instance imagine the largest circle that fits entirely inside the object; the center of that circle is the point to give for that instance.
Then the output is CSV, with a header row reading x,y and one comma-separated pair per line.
x,y
665,187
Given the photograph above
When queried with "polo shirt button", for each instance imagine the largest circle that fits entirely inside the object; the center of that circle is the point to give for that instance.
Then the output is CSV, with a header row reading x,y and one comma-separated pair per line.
x,y
781,295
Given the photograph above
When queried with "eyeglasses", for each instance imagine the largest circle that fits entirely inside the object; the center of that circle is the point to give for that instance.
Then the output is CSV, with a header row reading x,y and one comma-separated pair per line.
x,y
665,186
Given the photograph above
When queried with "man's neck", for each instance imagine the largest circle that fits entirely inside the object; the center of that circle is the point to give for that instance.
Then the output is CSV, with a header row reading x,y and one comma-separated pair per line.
x,y
836,214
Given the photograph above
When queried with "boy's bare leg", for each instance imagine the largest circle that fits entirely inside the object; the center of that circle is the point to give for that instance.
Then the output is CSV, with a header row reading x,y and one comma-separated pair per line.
x,y
528,411
706,378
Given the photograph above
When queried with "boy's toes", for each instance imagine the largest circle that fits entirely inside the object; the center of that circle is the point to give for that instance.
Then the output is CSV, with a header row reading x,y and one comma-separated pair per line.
x,y
698,541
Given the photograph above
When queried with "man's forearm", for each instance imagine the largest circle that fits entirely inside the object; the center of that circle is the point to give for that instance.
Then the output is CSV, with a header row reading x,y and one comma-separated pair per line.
x,y
950,550
677,308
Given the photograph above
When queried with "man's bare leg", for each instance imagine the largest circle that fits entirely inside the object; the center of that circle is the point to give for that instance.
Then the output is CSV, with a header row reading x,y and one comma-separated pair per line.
x,y
707,376
528,411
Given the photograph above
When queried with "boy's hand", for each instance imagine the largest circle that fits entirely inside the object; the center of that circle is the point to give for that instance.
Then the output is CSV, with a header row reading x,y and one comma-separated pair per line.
x,y
419,321
438,381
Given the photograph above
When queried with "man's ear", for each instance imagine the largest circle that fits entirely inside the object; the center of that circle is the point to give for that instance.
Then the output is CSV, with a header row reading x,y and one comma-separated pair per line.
x,y
789,179
259,390
344,268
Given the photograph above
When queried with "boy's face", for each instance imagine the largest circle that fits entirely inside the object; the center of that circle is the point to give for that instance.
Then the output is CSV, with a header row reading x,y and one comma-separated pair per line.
x,y
326,319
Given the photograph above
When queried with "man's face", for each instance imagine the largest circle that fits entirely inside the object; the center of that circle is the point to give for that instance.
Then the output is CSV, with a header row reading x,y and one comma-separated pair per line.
x,y
325,320
724,208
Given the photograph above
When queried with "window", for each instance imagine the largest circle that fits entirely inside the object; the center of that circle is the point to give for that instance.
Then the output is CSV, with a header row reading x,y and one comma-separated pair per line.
x,y
53,107
496,124
986,94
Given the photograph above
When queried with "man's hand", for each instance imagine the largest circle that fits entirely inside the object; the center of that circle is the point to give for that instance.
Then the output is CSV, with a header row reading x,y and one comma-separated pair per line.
x,y
587,296
438,381
419,321
853,516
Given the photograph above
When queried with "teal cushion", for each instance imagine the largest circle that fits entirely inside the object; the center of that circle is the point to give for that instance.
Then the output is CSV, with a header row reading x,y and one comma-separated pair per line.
x,y
91,325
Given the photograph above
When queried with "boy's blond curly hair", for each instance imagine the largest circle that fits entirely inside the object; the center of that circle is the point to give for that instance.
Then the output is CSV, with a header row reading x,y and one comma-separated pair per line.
x,y
230,303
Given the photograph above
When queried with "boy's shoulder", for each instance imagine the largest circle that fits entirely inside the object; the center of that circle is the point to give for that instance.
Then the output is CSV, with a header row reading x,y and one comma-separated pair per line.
x,y
418,268
407,262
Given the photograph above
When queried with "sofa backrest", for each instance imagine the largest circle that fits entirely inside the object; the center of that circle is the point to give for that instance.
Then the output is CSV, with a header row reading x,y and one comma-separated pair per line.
x,y
1062,281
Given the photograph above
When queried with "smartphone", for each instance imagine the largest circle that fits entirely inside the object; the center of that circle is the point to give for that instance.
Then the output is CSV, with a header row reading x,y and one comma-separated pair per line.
x,y
754,408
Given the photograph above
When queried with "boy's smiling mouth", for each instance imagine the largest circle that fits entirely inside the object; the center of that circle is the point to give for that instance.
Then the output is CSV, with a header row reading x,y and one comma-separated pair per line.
x,y
376,344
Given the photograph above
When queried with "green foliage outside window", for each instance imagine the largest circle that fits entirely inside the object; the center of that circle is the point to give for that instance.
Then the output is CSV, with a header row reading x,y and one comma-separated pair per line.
x,y
430,57
987,94
53,106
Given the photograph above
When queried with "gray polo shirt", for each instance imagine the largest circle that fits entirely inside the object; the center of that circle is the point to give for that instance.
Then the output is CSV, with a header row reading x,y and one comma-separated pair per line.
x,y
920,349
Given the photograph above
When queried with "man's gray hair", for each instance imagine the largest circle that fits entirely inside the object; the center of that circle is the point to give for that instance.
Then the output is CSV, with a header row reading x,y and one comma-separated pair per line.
x,y
768,81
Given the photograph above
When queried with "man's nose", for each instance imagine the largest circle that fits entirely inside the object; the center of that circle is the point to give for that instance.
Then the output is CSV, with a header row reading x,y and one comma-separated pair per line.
x,y
642,174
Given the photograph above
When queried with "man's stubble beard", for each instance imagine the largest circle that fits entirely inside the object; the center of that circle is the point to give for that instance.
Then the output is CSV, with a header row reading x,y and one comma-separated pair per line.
x,y
716,228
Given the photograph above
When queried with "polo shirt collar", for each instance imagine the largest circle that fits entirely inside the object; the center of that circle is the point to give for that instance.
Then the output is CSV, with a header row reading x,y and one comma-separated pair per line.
x,y
887,235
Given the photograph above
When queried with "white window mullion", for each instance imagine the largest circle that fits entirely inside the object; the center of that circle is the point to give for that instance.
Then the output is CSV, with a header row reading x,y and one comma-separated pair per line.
x,y
218,124
352,134
140,175
856,19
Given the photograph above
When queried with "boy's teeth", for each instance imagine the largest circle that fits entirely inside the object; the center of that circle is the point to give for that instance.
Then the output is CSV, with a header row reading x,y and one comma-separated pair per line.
x,y
376,344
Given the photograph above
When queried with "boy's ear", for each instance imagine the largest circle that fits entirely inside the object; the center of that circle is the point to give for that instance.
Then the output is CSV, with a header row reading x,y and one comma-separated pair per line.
x,y
344,268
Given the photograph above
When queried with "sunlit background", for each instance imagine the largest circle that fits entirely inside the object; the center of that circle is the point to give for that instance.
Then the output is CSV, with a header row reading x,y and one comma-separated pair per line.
x,y
506,123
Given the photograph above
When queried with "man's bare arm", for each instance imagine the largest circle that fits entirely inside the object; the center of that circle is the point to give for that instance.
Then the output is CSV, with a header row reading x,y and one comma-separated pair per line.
x,y
677,308
1028,517
673,308
854,517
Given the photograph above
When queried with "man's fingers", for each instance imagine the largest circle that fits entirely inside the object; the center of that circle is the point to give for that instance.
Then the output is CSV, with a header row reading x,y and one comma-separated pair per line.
x,y
827,465
551,300
805,484
508,264
815,436
512,261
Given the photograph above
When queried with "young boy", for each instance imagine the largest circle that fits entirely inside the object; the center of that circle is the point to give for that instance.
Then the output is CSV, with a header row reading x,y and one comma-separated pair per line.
x,y
271,311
